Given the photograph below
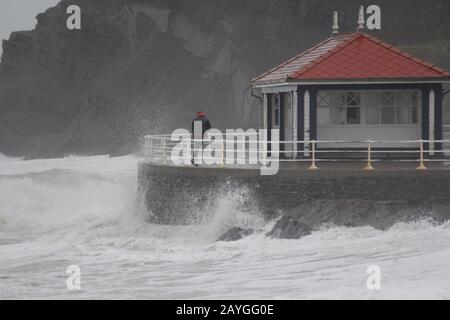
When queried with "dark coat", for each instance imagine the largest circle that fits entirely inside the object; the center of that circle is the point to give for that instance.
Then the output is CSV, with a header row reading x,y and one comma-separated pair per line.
x,y
206,125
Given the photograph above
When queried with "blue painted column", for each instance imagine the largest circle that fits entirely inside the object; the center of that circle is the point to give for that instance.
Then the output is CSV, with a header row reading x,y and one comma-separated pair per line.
x,y
438,112
425,92
313,114
300,120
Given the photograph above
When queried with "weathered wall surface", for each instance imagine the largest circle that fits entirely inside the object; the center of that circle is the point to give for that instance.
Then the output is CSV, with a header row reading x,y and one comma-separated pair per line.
x,y
144,66
377,198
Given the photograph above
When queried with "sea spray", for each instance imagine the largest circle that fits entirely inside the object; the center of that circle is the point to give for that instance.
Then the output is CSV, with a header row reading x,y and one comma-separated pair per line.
x,y
233,206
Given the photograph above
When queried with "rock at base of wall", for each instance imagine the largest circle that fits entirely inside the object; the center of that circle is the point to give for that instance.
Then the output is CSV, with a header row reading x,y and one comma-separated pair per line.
x,y
235,233
298,222
289,228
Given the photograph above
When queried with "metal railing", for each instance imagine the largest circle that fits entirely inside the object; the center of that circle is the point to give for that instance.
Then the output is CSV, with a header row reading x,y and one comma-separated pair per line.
x,y
159,148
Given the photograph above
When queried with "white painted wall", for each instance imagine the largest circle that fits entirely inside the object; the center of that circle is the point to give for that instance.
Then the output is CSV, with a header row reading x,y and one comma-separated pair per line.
x,y
364,132
367,132
264,112
288,123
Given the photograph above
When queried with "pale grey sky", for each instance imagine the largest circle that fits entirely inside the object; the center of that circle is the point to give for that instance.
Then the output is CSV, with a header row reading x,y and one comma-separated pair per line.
x,y
18,15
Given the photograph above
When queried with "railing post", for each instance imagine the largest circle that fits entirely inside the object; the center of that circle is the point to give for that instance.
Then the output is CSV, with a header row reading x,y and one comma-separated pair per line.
x,y
421,165
313,156
164,150
150,149
369,156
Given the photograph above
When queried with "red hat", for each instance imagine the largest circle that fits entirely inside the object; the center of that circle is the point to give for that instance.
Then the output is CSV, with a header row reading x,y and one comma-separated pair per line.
x,y
200,114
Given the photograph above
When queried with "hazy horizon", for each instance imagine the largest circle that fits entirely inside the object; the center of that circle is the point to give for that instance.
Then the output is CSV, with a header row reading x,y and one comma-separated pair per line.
x,y
20,15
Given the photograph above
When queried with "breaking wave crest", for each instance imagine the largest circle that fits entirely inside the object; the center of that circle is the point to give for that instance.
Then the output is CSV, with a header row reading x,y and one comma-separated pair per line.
x,y
37,201
72,200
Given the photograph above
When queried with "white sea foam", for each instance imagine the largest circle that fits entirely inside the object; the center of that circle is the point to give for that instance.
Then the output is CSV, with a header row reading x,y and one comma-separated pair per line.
x,y
82,210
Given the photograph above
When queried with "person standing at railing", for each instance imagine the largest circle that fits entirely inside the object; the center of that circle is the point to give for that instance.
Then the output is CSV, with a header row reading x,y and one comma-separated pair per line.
x,y
200,125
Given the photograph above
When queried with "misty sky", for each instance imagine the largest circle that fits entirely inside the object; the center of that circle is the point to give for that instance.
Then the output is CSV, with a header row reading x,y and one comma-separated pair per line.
x,y
18,15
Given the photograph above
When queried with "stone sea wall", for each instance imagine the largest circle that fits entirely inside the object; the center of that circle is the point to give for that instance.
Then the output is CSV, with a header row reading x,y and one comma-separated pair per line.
x,y
304,198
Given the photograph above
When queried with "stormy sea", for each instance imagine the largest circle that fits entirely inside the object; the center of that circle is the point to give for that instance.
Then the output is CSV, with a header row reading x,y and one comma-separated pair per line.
x,y
84,211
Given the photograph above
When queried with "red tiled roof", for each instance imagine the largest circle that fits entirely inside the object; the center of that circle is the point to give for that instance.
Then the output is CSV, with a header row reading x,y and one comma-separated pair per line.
x,y
351,57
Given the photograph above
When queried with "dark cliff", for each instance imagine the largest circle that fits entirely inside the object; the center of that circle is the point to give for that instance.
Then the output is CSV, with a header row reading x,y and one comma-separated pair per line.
x,y
140,67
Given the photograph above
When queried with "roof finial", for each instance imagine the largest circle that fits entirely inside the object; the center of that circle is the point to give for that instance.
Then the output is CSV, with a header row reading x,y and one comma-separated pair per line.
x,y
335,28
360,20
